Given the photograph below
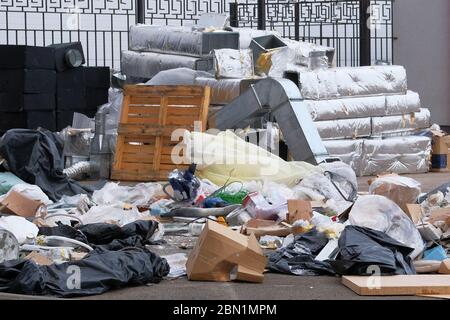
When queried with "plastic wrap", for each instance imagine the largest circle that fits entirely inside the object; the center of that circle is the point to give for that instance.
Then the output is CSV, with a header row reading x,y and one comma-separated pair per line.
x,y
223,91
145,65
142,194
401,190
381,214
229,63
348,82
360,107
402,155
226,158
343,129
396,124
401,104
326,110
180,40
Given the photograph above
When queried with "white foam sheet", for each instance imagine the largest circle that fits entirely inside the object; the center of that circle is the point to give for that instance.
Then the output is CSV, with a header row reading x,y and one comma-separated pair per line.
x,y
406,122
360,107
348,82
148,64
344,129
401,155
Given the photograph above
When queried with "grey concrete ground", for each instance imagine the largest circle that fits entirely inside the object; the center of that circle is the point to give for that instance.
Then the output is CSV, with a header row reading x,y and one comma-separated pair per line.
x,y
275,286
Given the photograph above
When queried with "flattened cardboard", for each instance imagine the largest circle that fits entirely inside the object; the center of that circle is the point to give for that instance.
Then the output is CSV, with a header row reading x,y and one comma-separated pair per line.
x,y
222,254
398,285
265,228
442,214
18,204
414,212
39,259
445,267
299,210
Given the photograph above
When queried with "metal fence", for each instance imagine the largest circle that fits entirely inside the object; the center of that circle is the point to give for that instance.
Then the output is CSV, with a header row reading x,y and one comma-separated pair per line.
x,y
361,31
102,25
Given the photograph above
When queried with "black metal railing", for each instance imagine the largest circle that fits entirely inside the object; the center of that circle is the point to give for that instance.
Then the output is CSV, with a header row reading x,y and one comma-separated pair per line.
x,y
102,25
361,31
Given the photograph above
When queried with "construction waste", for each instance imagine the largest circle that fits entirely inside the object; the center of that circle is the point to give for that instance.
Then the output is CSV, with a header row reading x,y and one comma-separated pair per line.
x,y
229,208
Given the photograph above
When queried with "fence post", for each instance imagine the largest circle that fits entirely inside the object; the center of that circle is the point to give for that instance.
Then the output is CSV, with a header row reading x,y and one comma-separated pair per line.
x,y
297,20
140,11
261,14
234,14
365,47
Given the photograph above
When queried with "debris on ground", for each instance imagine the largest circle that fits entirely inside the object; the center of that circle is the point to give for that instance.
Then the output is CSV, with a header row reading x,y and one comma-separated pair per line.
x,y
218,154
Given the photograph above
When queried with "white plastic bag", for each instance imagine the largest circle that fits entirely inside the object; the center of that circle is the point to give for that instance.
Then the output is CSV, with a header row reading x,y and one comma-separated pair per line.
x,y
20,227
380,213
114,214
30,191
401,190
141,194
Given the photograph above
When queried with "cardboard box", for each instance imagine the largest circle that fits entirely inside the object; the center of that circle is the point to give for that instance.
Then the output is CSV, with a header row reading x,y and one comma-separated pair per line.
x,y
18,204
440,160
222,254
414,212
299,210
445,267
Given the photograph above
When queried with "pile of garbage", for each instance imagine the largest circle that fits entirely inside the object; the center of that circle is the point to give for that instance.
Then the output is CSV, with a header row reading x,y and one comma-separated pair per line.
x,y
304,220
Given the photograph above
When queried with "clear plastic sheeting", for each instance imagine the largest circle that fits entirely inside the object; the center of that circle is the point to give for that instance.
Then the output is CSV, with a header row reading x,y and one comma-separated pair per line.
x,y
396,124
142,194
114,214
402,155
180,40
145,65
361,107
347,82
381,214
229,63
226,158
344,129
30,191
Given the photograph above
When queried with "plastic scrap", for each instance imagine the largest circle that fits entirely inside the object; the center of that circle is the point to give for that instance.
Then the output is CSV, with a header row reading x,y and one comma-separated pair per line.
x,y
36,158
380,213
98,272
20,227
363,251
142,194
401,190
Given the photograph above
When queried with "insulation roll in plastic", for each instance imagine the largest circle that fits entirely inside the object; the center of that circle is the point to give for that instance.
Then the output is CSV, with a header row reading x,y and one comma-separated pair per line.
x,y
180,40
347,82
406,122
360,107
344,129
147,64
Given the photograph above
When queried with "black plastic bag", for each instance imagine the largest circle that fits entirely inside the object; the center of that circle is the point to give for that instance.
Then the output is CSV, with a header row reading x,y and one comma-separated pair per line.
x,y
35,156
361,248
97,273
298,257
108,236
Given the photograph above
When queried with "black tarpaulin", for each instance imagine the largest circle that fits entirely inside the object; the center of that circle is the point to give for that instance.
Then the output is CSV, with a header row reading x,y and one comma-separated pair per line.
x,y
35,156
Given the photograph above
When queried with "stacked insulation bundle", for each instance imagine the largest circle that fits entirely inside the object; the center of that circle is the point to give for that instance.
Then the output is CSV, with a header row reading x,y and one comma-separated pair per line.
x,y
368,118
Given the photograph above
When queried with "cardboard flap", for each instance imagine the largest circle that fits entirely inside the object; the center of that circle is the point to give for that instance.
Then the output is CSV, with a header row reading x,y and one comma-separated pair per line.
x,y
18,204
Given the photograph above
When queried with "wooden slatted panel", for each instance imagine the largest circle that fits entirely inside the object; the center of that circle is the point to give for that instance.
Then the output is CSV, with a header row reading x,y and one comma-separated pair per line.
x,y
149,116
